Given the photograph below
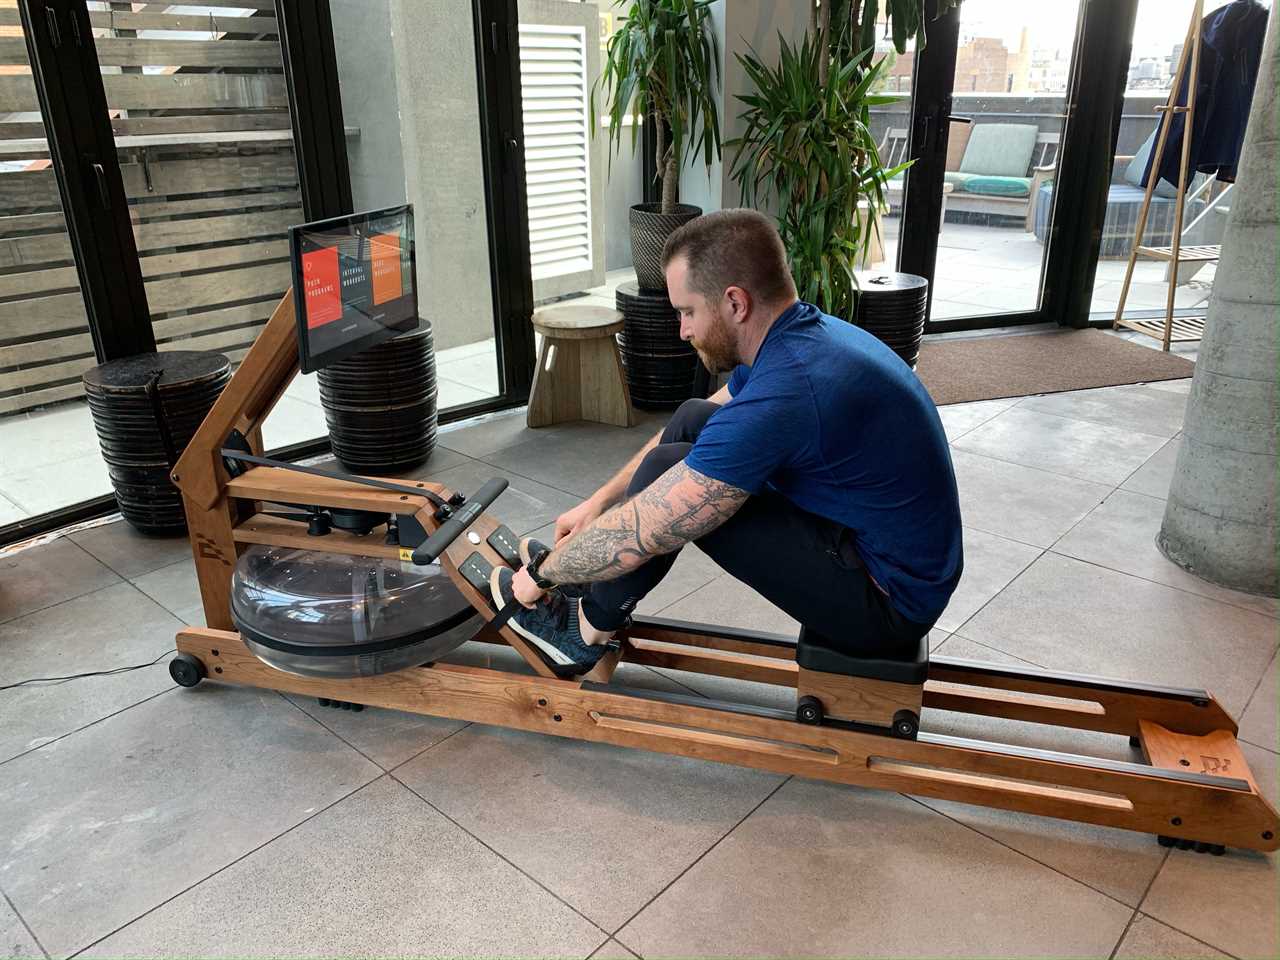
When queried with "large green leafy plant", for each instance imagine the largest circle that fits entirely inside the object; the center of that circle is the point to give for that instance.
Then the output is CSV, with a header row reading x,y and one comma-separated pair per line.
x,y
663,62
808,150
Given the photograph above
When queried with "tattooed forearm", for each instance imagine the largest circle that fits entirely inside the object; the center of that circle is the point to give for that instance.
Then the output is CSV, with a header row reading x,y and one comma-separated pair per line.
x,y
680,506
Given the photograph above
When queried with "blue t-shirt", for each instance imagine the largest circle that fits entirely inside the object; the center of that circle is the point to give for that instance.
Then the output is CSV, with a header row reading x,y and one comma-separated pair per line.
x,y
830,418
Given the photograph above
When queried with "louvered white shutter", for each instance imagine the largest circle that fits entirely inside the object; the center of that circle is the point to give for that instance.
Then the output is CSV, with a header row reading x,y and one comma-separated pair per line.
x,y
554,84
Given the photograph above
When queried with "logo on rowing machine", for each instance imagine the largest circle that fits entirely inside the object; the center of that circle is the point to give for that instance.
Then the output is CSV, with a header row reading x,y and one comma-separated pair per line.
x,y
207,549
1214,765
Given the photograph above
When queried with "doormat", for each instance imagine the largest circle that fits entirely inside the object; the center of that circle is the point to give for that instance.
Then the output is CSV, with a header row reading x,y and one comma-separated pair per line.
x,y
984,368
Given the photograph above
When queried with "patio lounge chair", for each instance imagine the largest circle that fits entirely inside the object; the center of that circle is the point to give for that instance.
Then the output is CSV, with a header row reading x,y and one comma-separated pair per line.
x,y
1124,200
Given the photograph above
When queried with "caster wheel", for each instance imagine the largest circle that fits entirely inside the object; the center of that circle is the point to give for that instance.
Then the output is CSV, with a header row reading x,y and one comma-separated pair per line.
x,y
324,701
186,670
345,705
1202,847
809,710
1165,841
906,725
357,707
1186,844
1217,849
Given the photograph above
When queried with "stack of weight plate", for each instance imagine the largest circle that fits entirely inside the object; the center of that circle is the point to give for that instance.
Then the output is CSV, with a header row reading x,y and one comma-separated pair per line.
x,y
146,408
380,404
892,307
660,366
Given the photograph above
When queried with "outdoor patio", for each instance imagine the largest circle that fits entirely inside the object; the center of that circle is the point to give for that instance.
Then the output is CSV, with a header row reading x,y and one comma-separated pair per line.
x,y
143,819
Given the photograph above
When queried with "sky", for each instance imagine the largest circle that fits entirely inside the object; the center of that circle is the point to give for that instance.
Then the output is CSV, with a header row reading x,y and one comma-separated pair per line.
x,y
1160,23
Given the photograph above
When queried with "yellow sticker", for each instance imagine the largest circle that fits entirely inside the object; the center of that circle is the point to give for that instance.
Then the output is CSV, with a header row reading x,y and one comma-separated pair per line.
x,y
406,554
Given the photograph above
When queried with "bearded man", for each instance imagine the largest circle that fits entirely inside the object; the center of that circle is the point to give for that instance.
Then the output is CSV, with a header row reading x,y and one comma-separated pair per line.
x,y
819,475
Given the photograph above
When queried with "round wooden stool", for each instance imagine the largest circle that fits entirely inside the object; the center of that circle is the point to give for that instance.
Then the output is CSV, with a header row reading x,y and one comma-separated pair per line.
x,y
579,374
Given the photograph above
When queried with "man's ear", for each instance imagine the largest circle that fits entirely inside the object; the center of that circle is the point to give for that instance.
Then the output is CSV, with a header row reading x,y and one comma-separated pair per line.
x,y
739,303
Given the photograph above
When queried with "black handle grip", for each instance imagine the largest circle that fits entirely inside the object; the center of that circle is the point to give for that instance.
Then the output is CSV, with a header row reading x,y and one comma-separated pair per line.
x,y
439,541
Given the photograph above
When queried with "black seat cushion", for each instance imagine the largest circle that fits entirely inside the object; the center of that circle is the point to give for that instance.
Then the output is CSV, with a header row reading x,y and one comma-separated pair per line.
x,y
816,652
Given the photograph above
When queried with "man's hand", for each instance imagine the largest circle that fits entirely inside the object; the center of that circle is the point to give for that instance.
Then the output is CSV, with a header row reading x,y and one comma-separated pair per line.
x,y
571,521
525,590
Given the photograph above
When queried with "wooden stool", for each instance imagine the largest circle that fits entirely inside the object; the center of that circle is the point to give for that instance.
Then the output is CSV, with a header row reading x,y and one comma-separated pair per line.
x,y
579,375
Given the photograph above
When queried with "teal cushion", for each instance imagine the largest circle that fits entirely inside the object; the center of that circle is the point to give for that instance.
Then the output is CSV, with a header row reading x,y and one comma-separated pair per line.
x,y
956,179
998,186
1133,172
1000,149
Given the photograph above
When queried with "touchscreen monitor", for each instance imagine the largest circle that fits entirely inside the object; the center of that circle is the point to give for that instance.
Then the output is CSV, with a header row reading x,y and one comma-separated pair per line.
x,y
354,283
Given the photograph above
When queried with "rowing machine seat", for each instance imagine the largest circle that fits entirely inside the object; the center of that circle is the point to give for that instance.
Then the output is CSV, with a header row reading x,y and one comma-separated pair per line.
x,y
816,652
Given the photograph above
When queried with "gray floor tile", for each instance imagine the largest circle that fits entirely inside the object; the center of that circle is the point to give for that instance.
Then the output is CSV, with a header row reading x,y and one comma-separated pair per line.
x,y
1071,448
112,627
39,577
130,553
1260,722
959,418
612,950
159,797
1018,502
1119,863
175,588
576,460
990,562
525,506
491,433
1148,939
729,602
387,737
15,939
380,874
1072,616
825,870
1154,477
1229,902
441,458
1137,407
582,818
1121,534
692,570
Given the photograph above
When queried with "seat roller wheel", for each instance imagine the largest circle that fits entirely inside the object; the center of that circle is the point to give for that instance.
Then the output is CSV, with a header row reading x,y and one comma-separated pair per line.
x,y
186,670
809,710
906,724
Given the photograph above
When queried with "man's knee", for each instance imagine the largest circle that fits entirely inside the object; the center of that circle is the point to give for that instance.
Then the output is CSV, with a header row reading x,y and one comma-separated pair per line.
x,y
655,463
688,420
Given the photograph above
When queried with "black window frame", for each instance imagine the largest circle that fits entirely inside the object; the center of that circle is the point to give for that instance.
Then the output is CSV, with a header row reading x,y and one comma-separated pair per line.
x,y
82,144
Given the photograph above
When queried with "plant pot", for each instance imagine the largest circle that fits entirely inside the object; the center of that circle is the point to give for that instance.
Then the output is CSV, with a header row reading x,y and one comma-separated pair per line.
x,y
891,307
649,231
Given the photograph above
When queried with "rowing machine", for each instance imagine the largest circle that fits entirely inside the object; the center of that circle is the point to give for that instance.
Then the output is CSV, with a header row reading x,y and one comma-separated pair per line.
x,y
856,721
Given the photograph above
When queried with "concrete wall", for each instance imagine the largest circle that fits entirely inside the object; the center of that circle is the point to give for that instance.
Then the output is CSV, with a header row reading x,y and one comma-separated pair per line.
x,y
367,81
740,25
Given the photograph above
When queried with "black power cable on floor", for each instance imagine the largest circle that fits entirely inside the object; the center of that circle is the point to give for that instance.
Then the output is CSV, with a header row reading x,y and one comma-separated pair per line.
x,y
95,673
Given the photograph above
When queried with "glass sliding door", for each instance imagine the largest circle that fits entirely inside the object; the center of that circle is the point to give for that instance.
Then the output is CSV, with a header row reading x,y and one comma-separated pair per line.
x,y
1012,64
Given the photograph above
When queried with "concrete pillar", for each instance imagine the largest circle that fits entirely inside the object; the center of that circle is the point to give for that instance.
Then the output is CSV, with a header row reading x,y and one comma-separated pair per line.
x,y
1220,520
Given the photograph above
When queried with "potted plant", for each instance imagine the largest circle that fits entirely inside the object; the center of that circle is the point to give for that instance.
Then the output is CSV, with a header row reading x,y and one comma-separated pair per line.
x,y
808,148
663,64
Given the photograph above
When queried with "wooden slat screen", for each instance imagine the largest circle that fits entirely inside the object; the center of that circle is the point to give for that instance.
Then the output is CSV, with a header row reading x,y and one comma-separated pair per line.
x,y
201,116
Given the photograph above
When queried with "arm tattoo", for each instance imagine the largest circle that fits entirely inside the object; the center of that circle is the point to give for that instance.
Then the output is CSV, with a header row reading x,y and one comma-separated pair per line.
x,y
680,506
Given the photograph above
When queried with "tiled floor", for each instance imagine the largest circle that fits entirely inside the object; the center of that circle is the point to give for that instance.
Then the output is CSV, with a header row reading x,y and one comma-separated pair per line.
x,y
137,818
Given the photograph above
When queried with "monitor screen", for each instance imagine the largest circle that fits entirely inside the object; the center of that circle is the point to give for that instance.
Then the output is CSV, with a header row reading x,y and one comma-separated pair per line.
x,y
353,283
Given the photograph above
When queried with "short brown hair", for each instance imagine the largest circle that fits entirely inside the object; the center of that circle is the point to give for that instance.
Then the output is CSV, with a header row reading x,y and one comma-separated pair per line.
x,y
733,248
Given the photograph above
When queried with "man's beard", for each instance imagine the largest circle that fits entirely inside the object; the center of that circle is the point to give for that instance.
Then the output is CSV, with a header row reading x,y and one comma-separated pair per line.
x,y
717,351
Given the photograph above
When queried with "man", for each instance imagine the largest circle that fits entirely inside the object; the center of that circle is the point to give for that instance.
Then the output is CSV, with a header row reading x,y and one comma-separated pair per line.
x,y
819,475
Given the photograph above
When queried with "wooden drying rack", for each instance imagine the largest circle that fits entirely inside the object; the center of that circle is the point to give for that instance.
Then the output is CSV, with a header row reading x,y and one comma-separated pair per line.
x,y
1195,790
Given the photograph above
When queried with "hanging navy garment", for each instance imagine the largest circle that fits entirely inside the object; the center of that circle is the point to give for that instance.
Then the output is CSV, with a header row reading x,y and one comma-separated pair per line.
x,y
1230,52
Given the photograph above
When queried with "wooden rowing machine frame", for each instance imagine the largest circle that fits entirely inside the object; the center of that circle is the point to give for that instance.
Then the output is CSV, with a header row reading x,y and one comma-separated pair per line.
x,y
1196,789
